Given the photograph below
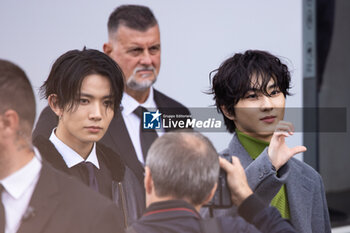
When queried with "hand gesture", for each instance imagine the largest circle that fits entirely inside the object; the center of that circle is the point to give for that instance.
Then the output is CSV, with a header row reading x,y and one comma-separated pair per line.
x,y
278,151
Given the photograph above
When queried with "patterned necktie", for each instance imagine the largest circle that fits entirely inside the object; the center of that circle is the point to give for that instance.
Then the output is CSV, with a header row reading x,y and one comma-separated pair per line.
x,y
146,137
2,212
92,176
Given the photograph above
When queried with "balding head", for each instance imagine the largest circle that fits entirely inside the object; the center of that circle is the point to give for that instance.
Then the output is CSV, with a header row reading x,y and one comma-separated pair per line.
x,y
184,166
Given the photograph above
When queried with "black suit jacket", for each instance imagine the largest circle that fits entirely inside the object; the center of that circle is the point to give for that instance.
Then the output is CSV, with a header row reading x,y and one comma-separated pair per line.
x,y
117,137
61,204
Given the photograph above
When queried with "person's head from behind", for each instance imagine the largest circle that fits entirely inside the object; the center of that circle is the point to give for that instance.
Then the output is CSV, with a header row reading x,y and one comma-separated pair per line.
x,y
134,43
17,106
250,90
84,89
181,165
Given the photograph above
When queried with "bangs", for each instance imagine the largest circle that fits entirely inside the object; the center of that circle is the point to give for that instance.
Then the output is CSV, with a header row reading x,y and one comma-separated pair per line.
x,y
259,82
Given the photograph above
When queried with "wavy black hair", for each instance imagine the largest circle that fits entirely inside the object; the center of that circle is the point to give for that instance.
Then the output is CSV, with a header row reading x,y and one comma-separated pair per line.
x,y
234,78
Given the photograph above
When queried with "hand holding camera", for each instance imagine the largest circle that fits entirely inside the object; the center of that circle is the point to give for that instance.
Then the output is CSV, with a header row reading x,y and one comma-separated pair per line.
x,y
236,180
232,188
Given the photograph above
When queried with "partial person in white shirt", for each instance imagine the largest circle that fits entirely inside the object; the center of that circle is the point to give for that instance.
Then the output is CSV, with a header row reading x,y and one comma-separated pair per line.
x,y
34,197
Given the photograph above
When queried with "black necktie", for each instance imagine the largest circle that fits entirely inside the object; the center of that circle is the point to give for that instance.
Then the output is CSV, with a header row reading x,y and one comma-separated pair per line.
x,y
2,212
146,137
92,176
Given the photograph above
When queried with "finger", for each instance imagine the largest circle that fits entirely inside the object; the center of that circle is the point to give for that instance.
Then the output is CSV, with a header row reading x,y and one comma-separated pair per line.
x,y
290,124
278,134
235,160
298,149
237,166
224,164
283,128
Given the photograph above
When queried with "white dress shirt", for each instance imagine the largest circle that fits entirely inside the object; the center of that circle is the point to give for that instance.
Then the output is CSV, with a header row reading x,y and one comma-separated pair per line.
x,y
70,157
18,190
132,121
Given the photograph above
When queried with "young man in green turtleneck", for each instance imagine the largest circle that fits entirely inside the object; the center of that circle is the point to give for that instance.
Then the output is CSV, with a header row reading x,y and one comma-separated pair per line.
x,y
250,90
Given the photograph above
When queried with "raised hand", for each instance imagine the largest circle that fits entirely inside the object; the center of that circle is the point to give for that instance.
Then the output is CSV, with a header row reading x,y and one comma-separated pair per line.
x,y
278,150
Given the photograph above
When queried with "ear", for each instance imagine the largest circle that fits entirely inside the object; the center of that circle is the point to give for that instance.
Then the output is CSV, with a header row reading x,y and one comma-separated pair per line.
x,y
148,181
226,113
107,48
53,103
211,194
9,121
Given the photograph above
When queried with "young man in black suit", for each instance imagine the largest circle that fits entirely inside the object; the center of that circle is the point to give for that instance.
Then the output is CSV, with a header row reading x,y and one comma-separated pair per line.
x,y
84,89
134,43
34,197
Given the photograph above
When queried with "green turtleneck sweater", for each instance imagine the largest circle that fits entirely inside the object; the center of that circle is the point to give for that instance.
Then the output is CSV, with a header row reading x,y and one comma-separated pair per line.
x,y
255,147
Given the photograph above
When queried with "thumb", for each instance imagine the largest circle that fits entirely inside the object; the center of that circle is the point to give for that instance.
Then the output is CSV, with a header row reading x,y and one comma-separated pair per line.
x,y
298,149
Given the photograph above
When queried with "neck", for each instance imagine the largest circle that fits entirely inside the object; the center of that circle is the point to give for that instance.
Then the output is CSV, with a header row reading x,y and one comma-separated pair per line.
x,y
265,138
13,158
139,96
154,198
254,146
82,148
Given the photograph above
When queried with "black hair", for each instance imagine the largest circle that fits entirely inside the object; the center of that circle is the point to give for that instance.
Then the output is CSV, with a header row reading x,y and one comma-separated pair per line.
x,y
136,17
16,93
70,69
233,79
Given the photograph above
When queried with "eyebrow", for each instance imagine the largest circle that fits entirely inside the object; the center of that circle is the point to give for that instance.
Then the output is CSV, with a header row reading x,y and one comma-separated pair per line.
x,y
91,96
272,86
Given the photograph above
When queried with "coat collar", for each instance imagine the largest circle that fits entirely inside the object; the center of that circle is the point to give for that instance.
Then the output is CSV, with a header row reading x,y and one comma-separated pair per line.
x,y
235,148
50,154
173,207
119,134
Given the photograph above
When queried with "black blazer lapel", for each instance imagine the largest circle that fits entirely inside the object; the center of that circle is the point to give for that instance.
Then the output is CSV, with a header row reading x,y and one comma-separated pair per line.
x,y
44,201
118,136
170,107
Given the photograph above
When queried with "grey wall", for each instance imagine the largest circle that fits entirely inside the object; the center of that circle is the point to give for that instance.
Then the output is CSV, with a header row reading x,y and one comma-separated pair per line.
x,y
196,37
334,147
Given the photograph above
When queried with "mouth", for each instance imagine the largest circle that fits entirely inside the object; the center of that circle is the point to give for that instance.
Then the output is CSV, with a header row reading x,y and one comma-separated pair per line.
x,y
268,119
94,129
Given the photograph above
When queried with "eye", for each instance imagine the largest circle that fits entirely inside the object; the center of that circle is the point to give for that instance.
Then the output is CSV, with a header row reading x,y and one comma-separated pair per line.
x,y
108,103
154,49
83,101
251,96
135,51
274,92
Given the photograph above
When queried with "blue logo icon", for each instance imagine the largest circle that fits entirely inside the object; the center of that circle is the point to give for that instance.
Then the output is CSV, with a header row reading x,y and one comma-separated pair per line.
x,y
151,120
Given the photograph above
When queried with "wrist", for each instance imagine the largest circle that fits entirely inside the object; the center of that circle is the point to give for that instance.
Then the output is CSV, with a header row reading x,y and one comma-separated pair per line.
x,y
242,196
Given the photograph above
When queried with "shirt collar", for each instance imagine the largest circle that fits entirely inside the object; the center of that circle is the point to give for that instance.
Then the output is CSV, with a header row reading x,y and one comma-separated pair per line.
x,y
129,104
17,183
70,157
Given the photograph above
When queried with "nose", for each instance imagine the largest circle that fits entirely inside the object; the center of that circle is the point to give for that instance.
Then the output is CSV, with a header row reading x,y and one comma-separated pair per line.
x,y
146,59
95,113
266,103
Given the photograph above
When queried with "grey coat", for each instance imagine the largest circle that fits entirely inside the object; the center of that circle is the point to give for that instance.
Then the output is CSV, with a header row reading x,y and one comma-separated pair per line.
x,y
305,191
